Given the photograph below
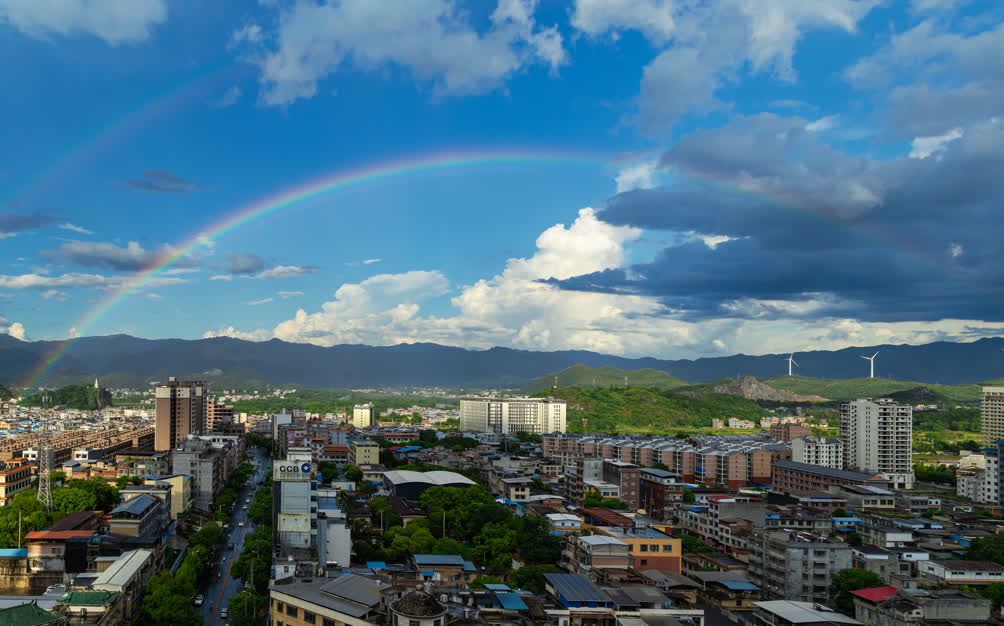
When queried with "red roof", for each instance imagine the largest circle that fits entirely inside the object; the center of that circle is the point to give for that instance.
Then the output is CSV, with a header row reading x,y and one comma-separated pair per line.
x,y
876,594
59,534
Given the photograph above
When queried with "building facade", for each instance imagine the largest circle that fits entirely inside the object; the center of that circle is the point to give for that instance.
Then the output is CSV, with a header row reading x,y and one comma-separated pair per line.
x,y
180,411
878,437
992,414
794,565
513,415
363,415
818,451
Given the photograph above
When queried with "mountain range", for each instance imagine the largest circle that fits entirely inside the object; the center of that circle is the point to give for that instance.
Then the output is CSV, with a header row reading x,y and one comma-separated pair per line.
x,y
132,361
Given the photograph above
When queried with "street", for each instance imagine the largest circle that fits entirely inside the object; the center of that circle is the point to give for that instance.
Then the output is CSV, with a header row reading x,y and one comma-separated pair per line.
x,y
222,586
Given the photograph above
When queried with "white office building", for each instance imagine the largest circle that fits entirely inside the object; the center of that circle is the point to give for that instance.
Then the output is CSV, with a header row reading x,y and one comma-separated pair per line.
x,y
512,415
992,414
878,437
818,451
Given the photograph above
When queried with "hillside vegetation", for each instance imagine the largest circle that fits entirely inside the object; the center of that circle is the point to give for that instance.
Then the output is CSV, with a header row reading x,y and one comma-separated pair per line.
x,y
594,409
74,396
843,389
606,376
5,393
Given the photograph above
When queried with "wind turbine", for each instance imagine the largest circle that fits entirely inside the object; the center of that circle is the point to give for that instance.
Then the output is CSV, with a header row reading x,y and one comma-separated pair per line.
x,y
791,361
871,360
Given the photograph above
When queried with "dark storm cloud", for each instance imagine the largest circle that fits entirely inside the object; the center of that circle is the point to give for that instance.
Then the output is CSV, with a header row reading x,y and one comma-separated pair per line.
x,y
818,232
162,181
15,222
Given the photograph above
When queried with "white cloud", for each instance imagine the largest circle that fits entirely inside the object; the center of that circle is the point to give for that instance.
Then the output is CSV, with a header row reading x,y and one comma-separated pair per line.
x,y
289,294
76,229
371,261
923,147
636,176
257,302
176,271
823,124
286,271
17,331
431,39
221,277
154,296
712,241
4,235
76,280
704,46
55,294
230,96
230,331
956,249
113,21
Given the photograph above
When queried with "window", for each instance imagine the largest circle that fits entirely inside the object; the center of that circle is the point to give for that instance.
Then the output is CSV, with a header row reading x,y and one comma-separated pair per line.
x,y
278,605
644,548
309,617
667,548
438,622
644,561
414,622
291,611
654,547
328,622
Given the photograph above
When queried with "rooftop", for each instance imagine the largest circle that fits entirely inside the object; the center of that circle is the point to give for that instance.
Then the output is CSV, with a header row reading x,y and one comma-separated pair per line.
x,y
804,612
28,614
576,588
876,594
419,604
972,566
826,471
430,478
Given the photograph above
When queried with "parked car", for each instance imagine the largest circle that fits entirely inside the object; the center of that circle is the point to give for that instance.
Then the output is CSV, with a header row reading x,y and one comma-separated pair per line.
x,y
199,599
224,613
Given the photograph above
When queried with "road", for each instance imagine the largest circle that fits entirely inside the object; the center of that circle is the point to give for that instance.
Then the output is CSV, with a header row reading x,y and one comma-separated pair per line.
x,y
222,586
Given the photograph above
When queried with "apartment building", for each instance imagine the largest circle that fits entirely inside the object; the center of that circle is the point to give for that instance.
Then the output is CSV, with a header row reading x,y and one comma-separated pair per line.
x,y
982,484
625,476
198,459
795,565
801,478
294,503
364,415
647,547
658,492
350,599
725,522
789,431
513,415
992,415
217,414
364,453
15,477
878,437
180,411
818,451
583,554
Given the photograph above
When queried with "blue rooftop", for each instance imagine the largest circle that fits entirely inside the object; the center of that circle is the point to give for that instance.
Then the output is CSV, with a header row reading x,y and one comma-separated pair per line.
x,y
376,564
511,601
438,559
13,553
739,585
497,587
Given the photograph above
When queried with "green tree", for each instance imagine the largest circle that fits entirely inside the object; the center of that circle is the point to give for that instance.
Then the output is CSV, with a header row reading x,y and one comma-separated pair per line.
x,y
594,500
838,513
329,471
106,497
847,580
688,495
480,581
531,577
416,418
245,607
993,592
691,544
353,473
987,549
208,536
661,466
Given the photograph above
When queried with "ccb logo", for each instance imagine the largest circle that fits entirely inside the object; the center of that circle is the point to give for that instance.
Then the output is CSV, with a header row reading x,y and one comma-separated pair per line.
x,y
305,468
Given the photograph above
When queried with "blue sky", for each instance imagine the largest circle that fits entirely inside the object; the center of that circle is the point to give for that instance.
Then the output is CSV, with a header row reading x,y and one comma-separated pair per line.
x,y
750,175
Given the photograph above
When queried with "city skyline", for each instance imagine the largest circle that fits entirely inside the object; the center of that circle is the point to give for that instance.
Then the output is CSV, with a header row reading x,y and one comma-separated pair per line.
x,y
655,180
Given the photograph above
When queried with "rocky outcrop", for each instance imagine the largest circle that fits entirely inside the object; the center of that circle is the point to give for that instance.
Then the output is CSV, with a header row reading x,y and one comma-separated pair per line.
x,y
752,389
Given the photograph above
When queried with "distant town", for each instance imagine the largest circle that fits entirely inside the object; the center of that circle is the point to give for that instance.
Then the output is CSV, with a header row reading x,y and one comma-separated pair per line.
x,y
485,509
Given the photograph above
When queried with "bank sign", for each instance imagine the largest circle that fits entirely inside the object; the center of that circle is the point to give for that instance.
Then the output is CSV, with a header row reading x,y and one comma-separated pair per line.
x,y
290,471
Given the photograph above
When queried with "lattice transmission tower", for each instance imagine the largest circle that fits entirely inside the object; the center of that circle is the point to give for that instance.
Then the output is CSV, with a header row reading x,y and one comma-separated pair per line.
x,y
46,459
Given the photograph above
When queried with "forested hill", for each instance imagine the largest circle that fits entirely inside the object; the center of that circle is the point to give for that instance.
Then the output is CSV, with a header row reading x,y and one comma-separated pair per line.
x,y
611,409
74,396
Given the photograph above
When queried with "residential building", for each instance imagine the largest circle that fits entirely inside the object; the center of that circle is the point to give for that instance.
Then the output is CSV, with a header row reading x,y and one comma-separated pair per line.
x,y
959,572
562,523
516,489
364,452
513,415
789,431
180,411
795,565
15,477
418,608
411,485
648,548
982,484
294,503
217,414
658,492
198,459
818,451
625,476
992,415
181,492
127,577
888,606
47,549
878,437
449,570
142,516
801,478
154,489
364,415
350,599
867,498
583,554
795,613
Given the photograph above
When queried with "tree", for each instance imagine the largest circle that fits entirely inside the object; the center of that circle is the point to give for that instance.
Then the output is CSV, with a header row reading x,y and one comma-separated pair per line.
x,y
480,581
993,592
416,418
838,513
328,470
688,495
661,466
987,549
531,577
244,608
690,544
847,580
428,437
208,536
594,500
353,473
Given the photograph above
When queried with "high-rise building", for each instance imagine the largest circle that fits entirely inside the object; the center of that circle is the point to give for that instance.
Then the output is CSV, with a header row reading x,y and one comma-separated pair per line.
x,y
512,415
363,415
217,413
181,411
992,414
795,565
878,437
818,451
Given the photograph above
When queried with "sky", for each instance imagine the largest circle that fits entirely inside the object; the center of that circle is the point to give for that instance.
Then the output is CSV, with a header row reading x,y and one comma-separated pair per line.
x,y
669,178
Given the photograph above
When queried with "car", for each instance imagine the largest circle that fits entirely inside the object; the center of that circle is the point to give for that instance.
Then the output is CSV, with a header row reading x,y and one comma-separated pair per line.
x,y
241,524
224,613
230,546
57,588
245,507
199,599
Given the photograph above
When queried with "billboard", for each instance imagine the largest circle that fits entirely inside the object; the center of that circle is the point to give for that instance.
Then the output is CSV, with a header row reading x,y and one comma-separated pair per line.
x,y
295,471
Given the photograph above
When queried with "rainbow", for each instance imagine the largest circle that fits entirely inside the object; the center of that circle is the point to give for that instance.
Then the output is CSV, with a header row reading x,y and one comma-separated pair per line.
x,y
287,199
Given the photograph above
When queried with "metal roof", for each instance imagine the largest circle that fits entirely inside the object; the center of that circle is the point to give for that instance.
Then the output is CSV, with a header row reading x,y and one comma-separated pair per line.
x,y
136,506
438,559
803,612
826,471
739,585
497,587
430,478
123,569
576,588
511,601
